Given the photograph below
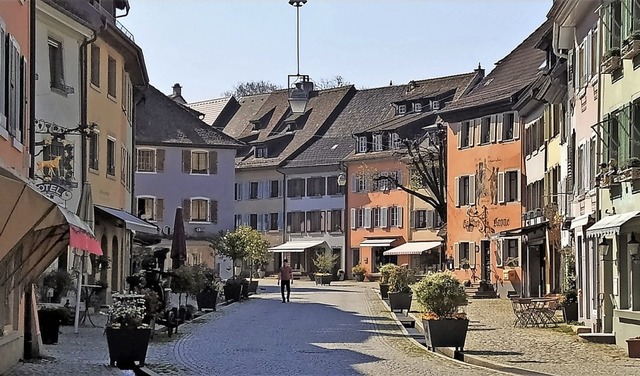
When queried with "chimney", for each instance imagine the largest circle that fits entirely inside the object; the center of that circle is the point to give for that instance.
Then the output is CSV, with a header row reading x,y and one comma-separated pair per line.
x,y
177,90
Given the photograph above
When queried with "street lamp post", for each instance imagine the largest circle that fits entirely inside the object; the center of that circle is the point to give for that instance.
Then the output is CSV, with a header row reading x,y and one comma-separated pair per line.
x,y
300,86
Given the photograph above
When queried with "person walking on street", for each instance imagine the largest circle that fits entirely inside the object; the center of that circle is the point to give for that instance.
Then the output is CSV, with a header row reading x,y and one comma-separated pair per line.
x,y
285,278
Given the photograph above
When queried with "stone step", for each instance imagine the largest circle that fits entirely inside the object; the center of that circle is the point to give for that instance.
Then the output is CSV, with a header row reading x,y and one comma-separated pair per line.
x,y
607,338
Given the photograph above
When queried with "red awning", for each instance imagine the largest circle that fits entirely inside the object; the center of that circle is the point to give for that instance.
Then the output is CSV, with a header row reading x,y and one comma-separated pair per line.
x,y
81,240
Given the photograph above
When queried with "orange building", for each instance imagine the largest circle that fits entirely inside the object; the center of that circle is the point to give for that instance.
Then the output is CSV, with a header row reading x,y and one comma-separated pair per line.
x,y
484,169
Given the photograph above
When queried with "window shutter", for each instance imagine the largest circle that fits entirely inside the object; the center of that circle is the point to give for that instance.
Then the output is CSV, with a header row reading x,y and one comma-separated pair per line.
x,y
367,217
499,127
519,188
412,219
245,219
456,191
159,209
384,217
399,211
456,255
460,135
492,128
260,225
280,221
260,190
186,209
22,98
478,128
499,255
354,183
516,126
213,209
399,177
159,160
327,217
430,218
323,219
472,254
501,187
472,189
505,251
352,215
186,161
213,162
3,74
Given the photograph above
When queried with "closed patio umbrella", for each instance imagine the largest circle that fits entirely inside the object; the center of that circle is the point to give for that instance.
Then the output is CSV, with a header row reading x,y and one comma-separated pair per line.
x,y
179,240
86,213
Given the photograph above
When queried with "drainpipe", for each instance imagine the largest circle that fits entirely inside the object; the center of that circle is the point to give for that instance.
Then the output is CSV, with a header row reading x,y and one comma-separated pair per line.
x,y
284,210
600,300
346,246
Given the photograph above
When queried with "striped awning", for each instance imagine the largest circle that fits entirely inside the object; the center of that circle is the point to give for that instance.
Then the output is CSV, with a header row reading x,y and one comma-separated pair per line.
x,y
378,242
580,221
612,224
298,246
412,248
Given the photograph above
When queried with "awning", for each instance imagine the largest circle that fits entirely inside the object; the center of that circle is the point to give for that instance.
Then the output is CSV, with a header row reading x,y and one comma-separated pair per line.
x,y
581,221
412,248
131,222
378,242
612,224
521,230
298,246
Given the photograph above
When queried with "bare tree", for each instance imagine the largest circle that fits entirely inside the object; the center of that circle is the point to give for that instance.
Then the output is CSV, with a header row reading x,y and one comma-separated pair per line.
x,y
329,83
243,89
427,159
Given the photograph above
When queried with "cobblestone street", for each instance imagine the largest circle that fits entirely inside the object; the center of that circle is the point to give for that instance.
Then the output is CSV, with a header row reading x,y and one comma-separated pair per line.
x,y
325,330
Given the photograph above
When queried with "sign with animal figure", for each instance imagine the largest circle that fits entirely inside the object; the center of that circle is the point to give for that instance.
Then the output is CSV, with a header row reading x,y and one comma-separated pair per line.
x,y
57,163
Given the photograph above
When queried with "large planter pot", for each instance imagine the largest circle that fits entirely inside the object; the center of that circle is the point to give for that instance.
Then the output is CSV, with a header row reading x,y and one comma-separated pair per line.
x,y
232,292
634,347
207,300
322,279
384,290
245,289
445,333
399,301
127,346
570,312
49,321
253,287
359,277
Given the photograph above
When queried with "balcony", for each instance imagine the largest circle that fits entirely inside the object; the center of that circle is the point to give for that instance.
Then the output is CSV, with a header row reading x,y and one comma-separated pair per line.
x,y
111,18
630,49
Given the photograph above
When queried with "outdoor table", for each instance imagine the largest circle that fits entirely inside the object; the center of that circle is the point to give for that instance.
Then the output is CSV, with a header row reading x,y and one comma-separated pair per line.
x,y
88,291
534,312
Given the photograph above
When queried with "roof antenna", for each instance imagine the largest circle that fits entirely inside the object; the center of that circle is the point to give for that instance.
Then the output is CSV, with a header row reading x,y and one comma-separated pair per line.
x,y
390,83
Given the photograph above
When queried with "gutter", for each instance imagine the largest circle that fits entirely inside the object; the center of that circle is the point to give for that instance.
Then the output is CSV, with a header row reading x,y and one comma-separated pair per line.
x,y
32,90
284,204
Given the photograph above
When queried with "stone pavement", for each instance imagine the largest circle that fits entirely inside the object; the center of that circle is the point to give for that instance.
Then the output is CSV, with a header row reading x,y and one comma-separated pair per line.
x,y
341,329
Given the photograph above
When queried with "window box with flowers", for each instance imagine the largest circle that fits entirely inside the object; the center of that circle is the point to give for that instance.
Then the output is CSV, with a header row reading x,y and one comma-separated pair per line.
x,y
127,334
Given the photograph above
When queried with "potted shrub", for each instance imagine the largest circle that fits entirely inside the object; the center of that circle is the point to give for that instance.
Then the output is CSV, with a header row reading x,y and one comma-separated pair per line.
x,y
399,293
358,272
50,320
441,295
257,254
324,262
233,289
570,306
207,296
633,345
59,281
127,335
183,280
385,273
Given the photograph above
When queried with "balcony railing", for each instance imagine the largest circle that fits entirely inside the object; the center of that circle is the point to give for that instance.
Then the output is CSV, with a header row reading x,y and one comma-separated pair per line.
x,y
111,18
124,30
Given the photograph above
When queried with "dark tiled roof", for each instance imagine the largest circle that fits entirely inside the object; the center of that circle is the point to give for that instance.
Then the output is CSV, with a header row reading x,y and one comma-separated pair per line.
x,y
511,75
321,108
438,87
160,120
367,107
239,122
210,108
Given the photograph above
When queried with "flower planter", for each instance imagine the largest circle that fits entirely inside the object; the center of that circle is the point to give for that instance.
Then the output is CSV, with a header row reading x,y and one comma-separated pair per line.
x,y
400,301
611,64
232,292
570,312
630,49
49,321
127,346
359,277
634,347
445,333
322,279
207,300
384,290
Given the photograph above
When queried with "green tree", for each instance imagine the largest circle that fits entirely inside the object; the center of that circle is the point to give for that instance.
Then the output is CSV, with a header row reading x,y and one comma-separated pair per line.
x,y
257,249
244,243
325,261
243,89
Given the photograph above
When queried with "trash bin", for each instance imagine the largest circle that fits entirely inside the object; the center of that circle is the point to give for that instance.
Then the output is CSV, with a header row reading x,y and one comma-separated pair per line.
x,y
340,275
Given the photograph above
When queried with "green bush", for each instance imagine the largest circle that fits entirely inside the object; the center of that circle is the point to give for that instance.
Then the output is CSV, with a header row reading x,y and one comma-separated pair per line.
x,y
324,262
358,269
385,271
400,279
440,294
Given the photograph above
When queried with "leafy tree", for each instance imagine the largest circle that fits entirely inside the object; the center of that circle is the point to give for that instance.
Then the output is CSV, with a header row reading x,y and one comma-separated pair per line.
x,y
329,83
325,261
257,249
244,243
182,282
243,89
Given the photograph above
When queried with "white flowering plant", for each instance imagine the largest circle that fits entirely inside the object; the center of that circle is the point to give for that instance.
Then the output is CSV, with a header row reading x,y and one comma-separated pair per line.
x,y
127,311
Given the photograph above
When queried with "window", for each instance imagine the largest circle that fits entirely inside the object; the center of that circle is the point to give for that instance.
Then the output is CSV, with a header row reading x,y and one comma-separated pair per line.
x,y
295,222
94,141
420,219
275,188
253,221
111,76
511,252
402,109
377,142
14,96
375,217
463,253
273,222
56,70
509,186
335,220
314,221
253,190
395,216
237,220
146,208
199,210
485,130
333,189
146,160
435,105
111,157
464,139
394,141
295,188
361,183
260,152
635,130
509,128
464,190
362,144
199,162
95,65
316,187
360,218
417,107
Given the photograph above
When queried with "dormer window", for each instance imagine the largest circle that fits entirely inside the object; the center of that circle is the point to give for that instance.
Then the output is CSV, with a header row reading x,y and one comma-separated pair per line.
x,y
260,152
417,107
435,105
361,146
402,109
394,141
256,125
377,142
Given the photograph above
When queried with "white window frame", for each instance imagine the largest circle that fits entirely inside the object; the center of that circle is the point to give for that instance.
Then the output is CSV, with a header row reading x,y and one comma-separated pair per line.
x,y
362,144
377,142
504,185
154,164
260,152
115,154
153,206
208,211
394,141
435,105
402,109
206,153
417,107
395,216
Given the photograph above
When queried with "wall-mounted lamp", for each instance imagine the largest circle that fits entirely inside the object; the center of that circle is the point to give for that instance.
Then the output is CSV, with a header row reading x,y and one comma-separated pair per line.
x,y
633,246
342,179
603,246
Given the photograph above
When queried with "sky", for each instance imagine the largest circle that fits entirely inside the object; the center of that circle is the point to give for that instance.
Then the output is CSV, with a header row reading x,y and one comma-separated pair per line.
x,y
208,46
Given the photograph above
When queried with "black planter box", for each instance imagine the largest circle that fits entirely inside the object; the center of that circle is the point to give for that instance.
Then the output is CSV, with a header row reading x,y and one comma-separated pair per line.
x,y
359,277
323,279
253,287
445,333
207,300
232,292
127,346
49,321
384,290
399,301
570,312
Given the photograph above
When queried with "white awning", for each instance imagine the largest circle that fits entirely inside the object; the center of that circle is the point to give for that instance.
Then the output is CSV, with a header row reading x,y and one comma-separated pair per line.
x,y
378,242
580,221
611,225
412,248
131,222
298,246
